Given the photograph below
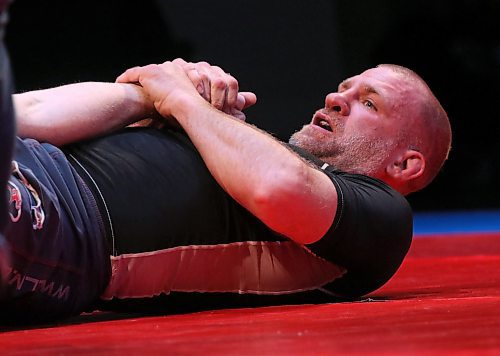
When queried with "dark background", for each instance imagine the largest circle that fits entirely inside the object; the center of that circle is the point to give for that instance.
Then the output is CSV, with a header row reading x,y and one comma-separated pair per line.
x,y
291,53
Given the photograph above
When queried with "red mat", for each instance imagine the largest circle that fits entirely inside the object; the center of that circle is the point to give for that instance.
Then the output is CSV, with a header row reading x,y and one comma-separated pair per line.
x,y
445,299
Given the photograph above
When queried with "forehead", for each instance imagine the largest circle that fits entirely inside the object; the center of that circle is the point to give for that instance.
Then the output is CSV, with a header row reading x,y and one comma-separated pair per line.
x,y
397,95
383,80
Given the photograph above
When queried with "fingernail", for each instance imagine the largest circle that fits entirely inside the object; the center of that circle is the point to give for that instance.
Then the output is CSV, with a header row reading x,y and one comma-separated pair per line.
x,y
199,87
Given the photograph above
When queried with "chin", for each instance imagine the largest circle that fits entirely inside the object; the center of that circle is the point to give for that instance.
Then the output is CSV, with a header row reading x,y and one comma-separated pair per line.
x,y
312,139
298,139
307,143
306,134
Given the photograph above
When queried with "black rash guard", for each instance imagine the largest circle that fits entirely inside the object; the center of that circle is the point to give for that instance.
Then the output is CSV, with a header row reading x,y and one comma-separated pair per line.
x,y
172,226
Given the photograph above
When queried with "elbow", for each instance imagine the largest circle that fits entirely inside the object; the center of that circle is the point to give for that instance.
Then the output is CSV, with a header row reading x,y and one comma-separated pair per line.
x,y
279,185
276,198
297,202
27,111
35,120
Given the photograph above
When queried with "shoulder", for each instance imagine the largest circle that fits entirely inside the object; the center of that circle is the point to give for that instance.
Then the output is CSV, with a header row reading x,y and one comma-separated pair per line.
x,y
371,233
371,198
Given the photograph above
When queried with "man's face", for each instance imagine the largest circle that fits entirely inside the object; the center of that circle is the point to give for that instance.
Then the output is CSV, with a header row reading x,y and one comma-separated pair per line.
x,y
359,129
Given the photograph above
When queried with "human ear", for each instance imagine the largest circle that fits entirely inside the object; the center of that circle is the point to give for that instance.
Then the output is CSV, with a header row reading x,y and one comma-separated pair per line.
x,y
407,167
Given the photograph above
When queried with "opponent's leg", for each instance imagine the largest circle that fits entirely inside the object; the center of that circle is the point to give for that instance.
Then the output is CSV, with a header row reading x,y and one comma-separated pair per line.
x,y
6,137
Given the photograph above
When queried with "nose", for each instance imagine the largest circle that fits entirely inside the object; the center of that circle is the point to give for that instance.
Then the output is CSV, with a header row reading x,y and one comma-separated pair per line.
x,y
337,103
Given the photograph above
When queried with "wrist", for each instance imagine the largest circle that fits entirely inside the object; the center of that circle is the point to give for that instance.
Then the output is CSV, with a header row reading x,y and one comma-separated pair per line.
x,y
186,105
139,104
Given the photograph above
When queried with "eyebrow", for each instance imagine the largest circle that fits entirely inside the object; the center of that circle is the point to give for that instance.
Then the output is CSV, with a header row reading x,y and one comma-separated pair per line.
x,y
370,89
346,84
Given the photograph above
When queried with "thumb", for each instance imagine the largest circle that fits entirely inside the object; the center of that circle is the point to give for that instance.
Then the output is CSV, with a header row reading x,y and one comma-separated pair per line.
x,y
129,76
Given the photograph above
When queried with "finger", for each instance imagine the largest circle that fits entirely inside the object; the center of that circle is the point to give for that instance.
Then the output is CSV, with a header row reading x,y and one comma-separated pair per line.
x,y
218,91
197,81
238,115
181,62
231,88
202,64
205,81
240,102
202,77
250,99
245,100
131,75
232,91
213,83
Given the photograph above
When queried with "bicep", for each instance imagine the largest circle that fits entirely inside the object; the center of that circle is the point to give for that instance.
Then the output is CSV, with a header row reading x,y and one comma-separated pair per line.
x,y
304,207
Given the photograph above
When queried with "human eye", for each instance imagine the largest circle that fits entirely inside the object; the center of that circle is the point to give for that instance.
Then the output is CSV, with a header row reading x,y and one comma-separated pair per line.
x,y
369,104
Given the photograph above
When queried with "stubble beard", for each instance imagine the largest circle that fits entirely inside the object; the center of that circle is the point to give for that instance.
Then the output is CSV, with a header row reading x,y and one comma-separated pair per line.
x,y
354,154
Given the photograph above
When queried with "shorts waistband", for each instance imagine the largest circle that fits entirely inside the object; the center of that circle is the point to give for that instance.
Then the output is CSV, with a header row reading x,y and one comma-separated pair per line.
x,y
104,218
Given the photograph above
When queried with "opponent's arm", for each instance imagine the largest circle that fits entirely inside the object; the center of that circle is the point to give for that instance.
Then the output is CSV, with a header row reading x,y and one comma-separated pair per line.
x,y
259,172
83,110
77,111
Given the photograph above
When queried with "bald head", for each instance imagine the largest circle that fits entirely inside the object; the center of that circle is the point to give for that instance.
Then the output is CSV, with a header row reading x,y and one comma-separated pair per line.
x,y
428,131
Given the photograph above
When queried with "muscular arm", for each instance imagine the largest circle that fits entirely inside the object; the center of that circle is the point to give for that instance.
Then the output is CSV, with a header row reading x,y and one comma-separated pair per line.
x,y
78,111
277,186
260,173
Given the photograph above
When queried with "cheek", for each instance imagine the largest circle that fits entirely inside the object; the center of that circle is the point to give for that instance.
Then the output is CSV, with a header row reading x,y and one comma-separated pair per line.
x,y
363,122
362,119
361,128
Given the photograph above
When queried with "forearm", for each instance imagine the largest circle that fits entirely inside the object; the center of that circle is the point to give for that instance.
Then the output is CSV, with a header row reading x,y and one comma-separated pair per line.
x,y
231,148
78,111
260,172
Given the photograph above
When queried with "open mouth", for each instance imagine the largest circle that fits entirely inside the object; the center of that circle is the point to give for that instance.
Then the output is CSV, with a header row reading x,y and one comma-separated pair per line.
x,y
321,120
325,125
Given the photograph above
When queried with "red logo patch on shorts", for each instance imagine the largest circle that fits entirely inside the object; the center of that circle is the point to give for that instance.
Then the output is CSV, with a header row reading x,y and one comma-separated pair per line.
x,y
15,202
37,213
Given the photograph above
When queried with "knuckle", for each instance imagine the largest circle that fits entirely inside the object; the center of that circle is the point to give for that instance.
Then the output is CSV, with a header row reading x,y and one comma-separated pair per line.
x,y
153,68
219,83
232,83
203,76
179,61
218,103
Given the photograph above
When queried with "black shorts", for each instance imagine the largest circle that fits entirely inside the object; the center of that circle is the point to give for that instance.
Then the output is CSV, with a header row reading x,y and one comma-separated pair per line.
x,y
59,257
